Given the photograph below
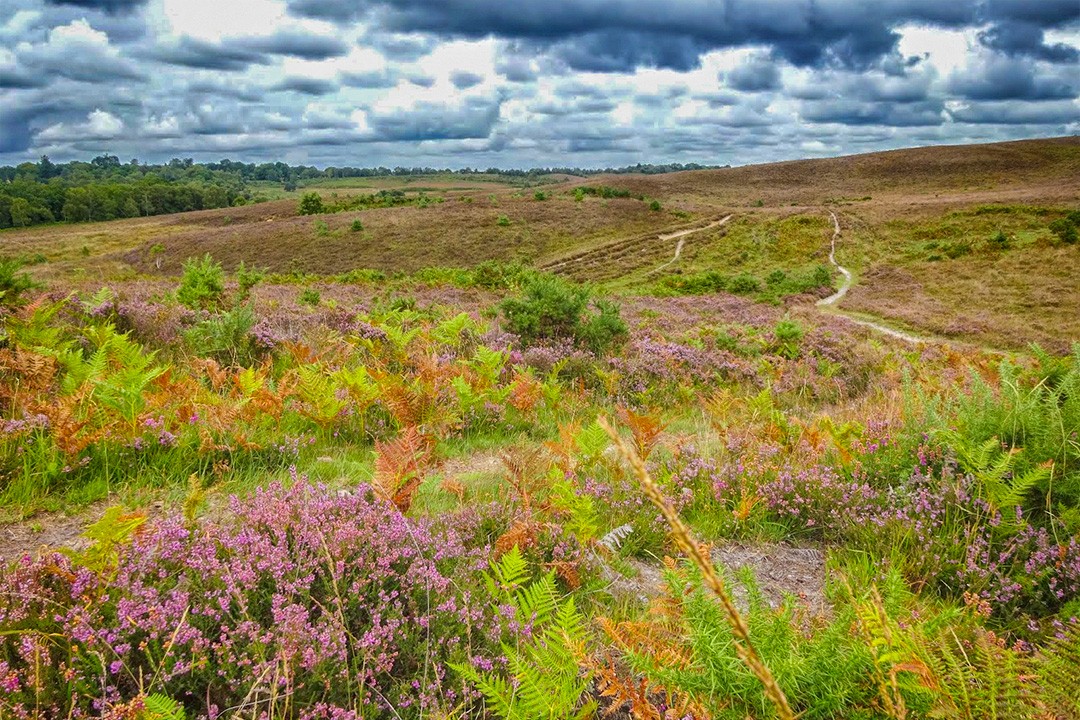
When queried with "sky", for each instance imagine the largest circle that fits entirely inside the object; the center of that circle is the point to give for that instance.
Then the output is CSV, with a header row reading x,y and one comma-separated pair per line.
x,y
521,83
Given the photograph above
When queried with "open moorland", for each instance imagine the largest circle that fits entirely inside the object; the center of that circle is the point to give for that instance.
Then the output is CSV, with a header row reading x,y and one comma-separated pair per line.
x,y
792,440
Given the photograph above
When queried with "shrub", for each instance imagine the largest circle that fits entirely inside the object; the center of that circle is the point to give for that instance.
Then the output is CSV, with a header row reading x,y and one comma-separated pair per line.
x,y
1000,241
247,278
321,228
1065,230
309,296
788,335
202,284
655,206
503,221
347,603
226,337
13,283
540,195
744,284
553,309
356,226
311,204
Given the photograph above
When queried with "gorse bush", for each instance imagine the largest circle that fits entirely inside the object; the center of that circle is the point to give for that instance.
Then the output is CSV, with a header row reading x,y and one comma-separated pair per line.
x,y
551,309
202,285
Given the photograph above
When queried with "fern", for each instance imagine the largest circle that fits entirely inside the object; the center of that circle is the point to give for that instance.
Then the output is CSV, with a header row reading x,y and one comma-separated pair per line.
x,y
543,679
319,393
1057,669
161,707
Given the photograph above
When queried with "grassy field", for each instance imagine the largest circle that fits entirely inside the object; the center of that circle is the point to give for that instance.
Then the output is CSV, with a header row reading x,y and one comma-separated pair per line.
x,y
500,454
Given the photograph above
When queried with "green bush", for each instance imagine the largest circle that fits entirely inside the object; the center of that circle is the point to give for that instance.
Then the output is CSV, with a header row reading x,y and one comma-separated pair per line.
x,y
13,283
247,278
1065,229
503,221
553,309
356,226
309,296
226,337
788,335
311,204
202,284
744,284
540,195
655,206
1000,241
321,228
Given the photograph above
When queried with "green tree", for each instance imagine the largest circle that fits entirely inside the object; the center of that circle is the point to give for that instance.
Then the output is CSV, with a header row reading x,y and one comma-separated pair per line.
x,y
21,213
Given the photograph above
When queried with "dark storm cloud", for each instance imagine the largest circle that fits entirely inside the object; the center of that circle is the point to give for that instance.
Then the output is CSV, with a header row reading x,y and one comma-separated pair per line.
x,y
1045,12
756,74
620,51
203,55
1026,39
622,34
112,6
429,121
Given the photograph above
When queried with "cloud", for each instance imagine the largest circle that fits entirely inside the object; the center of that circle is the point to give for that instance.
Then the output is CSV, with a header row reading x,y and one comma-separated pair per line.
x,y
193,53
79,52
486,82
1027,39
305,85
99,125
463,80
15,79
1059,112
430,121
297,44
1010,79
112,6
758,73
856,112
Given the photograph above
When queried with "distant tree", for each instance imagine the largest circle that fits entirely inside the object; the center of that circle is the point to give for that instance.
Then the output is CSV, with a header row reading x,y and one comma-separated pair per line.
x,y
46,169
21,213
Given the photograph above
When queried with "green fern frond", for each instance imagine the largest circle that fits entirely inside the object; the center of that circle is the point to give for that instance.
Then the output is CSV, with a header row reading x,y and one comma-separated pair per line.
x,y
160,707
1057,669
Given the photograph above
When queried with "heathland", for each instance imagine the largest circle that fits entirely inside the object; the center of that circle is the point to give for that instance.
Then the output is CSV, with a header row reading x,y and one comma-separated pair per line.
x,y
548,446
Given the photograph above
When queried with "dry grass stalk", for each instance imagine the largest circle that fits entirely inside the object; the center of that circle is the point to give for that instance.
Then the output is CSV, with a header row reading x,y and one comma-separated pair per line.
x,y
697,554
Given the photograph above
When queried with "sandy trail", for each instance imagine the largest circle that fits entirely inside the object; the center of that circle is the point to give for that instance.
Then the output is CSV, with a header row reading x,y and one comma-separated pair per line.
x,y
682,240
846,285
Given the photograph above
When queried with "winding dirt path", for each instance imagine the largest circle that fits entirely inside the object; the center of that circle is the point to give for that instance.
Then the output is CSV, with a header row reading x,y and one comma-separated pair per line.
x,y
831,301
682,240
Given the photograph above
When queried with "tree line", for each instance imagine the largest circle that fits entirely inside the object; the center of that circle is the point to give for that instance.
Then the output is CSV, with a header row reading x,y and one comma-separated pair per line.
x,y
105,188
